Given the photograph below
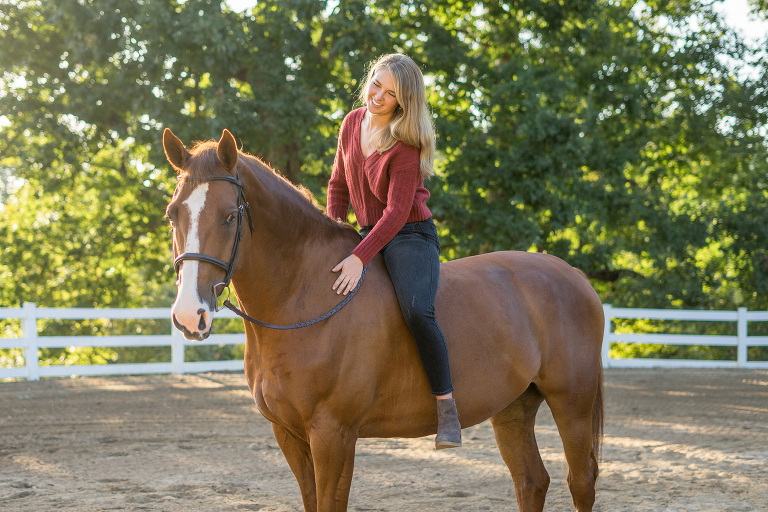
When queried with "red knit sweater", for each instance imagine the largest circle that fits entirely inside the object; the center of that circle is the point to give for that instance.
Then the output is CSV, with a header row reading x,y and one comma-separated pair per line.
x,y
386,190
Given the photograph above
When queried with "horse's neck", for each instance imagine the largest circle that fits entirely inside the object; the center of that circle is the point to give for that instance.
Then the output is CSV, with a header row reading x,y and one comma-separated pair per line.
x,y
289,257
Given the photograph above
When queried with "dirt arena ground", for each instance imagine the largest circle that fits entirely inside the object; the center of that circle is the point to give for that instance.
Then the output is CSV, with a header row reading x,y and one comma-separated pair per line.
x,y
675,440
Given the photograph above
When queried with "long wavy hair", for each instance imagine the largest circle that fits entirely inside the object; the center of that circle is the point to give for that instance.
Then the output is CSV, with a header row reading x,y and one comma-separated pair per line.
x,y
412,120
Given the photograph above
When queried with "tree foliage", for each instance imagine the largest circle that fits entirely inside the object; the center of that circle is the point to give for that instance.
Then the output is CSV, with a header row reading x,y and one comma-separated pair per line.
x,y
628,139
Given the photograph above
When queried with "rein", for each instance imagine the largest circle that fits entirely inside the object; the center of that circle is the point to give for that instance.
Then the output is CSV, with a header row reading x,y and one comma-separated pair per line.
x,y
332,312
244,208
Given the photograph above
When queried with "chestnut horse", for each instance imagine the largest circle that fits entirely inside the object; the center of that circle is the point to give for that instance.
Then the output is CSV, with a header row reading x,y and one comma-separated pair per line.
x,y
521,328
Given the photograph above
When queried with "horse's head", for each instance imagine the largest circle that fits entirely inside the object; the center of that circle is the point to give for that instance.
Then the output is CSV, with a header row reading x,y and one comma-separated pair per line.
x,y
206,214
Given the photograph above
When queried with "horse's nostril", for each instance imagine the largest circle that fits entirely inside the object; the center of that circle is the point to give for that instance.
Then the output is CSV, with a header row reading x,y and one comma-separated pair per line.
x,y
201,325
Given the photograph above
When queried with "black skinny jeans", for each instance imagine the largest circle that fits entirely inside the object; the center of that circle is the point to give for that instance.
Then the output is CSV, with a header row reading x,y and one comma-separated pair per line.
x,y
413,262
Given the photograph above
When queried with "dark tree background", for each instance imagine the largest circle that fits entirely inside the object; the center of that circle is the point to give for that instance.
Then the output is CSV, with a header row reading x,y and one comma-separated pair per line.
x,y
629,141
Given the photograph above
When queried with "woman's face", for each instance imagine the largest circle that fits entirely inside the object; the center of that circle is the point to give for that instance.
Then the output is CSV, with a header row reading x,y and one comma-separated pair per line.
x,y
381,94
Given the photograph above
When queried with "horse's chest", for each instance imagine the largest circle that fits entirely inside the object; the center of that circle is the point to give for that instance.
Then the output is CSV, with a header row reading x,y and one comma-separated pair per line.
x,y
263,405
278,407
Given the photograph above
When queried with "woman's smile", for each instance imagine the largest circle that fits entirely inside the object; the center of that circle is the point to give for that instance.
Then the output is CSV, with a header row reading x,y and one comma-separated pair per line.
x,y
381,94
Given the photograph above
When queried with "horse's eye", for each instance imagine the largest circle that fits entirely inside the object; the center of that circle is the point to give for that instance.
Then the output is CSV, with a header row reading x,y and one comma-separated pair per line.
x,y
231,218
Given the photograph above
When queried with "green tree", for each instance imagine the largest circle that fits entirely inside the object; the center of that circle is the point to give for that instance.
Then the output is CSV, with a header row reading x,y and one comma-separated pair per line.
x,y
620,136
629,142
86,87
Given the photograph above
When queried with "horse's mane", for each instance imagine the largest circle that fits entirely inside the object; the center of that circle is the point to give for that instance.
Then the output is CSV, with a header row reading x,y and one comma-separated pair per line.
x,y
205,160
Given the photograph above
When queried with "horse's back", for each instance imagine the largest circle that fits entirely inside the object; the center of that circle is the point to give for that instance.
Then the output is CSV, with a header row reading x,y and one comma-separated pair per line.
x,y
517,278
525,285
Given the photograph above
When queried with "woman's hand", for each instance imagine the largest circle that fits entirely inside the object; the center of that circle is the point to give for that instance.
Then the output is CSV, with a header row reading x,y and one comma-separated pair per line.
x,y
351,268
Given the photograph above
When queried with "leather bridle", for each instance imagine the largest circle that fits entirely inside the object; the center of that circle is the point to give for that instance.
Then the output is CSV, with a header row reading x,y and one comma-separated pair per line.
x,y
243,208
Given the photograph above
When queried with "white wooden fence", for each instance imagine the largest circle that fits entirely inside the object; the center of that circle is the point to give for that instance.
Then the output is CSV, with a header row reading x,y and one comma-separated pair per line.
x,y
742,340
30,342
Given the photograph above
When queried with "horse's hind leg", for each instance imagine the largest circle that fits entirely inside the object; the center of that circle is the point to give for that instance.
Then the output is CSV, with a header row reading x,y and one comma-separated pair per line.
x,y
574,415
514,434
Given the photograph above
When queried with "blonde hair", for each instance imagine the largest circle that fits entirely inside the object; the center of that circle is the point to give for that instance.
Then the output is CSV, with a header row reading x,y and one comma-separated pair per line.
x,y
411,121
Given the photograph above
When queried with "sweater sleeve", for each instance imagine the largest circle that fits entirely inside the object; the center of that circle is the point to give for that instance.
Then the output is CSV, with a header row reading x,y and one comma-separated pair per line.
x,y
338,191
404,179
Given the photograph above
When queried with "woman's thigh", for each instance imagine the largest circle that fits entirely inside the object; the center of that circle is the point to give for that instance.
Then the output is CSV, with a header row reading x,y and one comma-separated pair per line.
x,y
413,262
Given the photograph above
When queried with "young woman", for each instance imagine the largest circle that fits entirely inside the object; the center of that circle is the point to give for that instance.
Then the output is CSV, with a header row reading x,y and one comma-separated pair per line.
x,y
385,151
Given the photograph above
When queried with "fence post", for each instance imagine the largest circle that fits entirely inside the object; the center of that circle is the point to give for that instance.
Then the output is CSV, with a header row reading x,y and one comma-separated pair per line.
x,y
741,337
29,333
607,336
177,350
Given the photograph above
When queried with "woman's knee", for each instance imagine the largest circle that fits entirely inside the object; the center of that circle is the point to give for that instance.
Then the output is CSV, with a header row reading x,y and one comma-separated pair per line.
x,y
418,316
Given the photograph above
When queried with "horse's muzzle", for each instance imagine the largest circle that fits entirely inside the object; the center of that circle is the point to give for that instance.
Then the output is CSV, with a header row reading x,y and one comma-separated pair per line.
x,y
197,335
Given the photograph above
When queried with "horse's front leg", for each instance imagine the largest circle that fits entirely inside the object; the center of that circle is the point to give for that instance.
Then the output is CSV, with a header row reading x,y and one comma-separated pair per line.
x,y
299,457
333,452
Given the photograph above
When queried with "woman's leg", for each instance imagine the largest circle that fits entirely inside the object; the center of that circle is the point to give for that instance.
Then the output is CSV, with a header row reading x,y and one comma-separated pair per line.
x,y
413,262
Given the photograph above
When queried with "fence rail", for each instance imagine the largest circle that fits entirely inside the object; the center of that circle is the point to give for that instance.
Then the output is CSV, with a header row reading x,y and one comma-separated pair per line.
x,y
741,340
30,342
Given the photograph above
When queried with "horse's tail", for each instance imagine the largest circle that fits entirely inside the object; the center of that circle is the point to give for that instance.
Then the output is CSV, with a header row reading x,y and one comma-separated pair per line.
x,y
598,413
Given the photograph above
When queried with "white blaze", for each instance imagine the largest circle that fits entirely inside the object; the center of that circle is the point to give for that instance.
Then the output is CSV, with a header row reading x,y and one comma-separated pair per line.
x,y
188,301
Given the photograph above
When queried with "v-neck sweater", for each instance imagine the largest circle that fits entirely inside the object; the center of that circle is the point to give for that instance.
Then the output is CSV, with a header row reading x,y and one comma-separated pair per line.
x,y
386,190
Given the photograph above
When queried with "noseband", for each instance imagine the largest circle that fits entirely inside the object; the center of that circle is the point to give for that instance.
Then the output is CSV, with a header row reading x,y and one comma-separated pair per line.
x,y
242,208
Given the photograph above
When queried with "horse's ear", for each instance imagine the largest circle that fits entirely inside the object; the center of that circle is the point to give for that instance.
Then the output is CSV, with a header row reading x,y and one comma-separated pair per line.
x,y
227,150
175,151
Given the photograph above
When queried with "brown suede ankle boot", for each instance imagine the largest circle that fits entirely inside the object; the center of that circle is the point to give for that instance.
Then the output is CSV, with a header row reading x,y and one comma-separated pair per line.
x,y
448,426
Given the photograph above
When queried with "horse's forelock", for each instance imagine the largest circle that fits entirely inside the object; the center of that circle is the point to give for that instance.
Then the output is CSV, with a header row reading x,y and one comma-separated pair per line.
x,y
204,160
